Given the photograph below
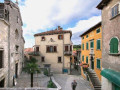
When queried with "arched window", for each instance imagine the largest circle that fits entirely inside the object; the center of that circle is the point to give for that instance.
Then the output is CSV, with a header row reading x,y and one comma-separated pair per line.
x,y
16,34
114,45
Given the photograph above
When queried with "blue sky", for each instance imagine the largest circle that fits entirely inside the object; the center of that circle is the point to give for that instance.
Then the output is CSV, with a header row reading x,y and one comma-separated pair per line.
x,y
43,15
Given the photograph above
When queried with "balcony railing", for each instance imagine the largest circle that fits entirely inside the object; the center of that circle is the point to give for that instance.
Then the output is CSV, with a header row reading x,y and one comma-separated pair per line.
x,y
91,51
34,53
67,53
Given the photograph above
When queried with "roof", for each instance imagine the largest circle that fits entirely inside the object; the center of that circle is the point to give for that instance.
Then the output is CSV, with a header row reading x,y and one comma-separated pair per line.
x,y
56,31
92,28
102,4
28,50
111,75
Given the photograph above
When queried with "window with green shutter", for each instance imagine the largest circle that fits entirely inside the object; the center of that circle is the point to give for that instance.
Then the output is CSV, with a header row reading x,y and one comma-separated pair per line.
x,y
98,64
87,59
98,44
82,46
92,44
114,45
87,46
83,58
98,30
82,37
86,36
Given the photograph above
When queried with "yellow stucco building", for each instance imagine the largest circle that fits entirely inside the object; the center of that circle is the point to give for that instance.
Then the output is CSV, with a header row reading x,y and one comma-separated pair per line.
x,y
91,51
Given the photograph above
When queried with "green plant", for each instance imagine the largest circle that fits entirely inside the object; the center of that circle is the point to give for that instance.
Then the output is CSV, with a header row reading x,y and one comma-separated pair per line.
x,y
51,84
31,68
46,72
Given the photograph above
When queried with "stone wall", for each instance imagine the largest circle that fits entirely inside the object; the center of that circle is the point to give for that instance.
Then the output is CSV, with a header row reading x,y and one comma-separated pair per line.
x,y
111,28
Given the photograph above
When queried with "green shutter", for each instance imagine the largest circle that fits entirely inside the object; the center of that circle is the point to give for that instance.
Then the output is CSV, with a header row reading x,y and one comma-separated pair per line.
x,y
82,58
87,59
82,46
98,44
87,46
98,63
92,44
98,30
114,45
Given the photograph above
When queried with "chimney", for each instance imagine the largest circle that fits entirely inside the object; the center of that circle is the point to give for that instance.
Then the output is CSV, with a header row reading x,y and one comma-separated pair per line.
x,y
59,28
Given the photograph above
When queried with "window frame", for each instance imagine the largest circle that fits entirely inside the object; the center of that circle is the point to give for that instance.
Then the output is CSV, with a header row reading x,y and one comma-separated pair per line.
x,y
97,30
97,63
86,59
60,36
97,44
82,58
87,45
54,47
58,59
43,38
110,46
87,36
2,64
90,43
83,46
43,60
113,8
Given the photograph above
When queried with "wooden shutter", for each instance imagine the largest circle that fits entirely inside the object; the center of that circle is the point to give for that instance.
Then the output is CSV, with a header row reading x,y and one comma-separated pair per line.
x,y
87,45
82,46
82,58
55,49
98,44
66,48
98,63
87,59
115,48
114,45
1,59
37,49
47,49
61,36
58,36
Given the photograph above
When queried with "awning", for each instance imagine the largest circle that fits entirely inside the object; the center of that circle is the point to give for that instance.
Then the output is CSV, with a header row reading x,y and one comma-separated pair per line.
x,y
111,75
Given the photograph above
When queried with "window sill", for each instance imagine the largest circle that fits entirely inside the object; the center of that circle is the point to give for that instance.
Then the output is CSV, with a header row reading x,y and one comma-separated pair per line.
x,y
59,62
98,49
42,40
51,52
114,54
115,16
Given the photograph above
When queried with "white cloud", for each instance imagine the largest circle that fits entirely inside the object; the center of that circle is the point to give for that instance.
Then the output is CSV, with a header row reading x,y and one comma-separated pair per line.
x,y
83,25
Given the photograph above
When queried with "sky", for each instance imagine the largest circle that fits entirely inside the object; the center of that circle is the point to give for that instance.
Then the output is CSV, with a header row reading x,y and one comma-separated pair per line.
x,y
44,15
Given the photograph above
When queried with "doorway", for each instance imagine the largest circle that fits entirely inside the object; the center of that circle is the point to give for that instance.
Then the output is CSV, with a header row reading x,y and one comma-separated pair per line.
x,y
2,83
16,70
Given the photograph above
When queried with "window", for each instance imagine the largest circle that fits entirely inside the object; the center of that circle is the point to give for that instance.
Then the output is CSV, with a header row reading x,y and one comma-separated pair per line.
x,y
98,44
16,34
37,49
98,64
60,37
42,59
82,46
87,59
42,38
83,58
1,59
51,49
98,30
17,48
86,36
92,44
115,10
70,47
82,37
114,45
59,60
87,46
66,48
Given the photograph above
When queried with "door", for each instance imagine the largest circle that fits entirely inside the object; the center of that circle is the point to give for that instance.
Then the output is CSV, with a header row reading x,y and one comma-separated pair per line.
x,y
2,83
16,70
92,62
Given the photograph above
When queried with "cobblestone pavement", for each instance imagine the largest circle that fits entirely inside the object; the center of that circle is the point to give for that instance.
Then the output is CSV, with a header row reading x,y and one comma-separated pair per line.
x,y
24,81
65,80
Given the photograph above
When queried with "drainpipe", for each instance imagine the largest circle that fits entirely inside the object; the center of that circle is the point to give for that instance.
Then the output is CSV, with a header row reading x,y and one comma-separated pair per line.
x,y
63,53
9,56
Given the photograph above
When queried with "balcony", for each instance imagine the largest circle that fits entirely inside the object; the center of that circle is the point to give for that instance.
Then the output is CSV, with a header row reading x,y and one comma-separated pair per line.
x,y
34,53
67,53
92,51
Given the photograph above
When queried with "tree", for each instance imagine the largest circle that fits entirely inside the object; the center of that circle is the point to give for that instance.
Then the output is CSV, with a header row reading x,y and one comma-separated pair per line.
x,y
31,68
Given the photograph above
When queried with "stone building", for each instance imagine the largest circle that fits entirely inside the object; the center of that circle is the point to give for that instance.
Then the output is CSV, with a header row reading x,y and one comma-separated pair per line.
x,y
111,44
55,49
11,43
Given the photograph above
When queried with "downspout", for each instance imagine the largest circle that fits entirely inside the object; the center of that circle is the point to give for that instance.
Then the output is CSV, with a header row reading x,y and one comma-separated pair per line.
x,y
9,56
63,54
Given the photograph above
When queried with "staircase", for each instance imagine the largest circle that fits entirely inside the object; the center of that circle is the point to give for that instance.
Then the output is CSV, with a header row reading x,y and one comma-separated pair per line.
x,y
94,79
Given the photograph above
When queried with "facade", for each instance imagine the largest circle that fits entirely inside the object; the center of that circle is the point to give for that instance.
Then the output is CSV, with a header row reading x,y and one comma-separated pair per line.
x,y
55,49
91,51
11,43
111,44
